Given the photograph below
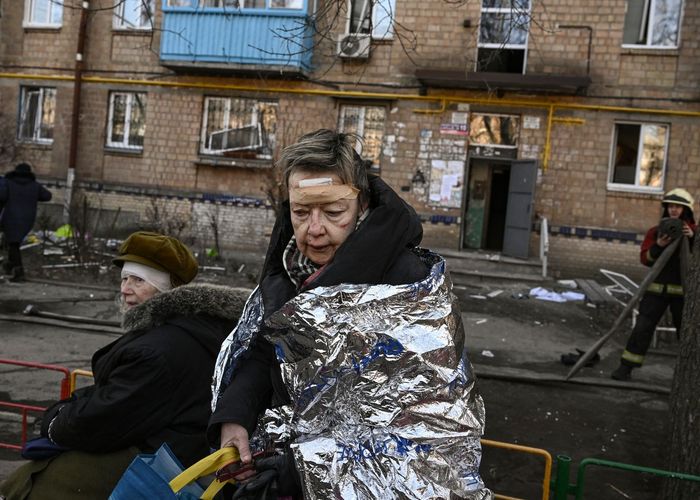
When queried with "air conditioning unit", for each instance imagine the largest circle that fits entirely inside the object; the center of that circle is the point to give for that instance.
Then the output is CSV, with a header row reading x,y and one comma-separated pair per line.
x,y
354,45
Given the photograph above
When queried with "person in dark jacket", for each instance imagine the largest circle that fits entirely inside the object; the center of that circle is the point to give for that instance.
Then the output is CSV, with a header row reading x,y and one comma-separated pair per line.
x,y
152,385
19,194
338,226
667,290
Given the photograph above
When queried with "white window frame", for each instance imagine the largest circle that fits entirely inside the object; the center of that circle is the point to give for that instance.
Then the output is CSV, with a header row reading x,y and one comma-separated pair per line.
x,y
204,147
636,187
361,126
30,12
119,20
489,45
381,19
36,130
124,144
651,13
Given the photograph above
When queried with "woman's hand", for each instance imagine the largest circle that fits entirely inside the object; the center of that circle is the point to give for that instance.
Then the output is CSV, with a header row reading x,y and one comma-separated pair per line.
x,y
234,435
687,230
663,240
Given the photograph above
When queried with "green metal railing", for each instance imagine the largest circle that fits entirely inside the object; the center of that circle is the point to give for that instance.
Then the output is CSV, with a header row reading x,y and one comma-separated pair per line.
x,y
562,489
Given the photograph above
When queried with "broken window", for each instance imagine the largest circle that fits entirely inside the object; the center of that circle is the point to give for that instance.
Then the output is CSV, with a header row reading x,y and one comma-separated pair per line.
x,y
652,23
375,17
126,125
37,114
639,155
500,131
239,127
368,123
43,13
503,36
134,14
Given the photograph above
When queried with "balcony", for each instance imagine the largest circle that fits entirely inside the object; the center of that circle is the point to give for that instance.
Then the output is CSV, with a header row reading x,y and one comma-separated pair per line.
x,y
234,40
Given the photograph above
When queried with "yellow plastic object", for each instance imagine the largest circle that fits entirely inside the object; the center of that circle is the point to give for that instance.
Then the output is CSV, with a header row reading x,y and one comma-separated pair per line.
x,y
65,231
207,465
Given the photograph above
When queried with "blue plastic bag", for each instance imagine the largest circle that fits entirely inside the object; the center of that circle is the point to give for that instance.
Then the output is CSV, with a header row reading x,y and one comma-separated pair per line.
x,y
148,476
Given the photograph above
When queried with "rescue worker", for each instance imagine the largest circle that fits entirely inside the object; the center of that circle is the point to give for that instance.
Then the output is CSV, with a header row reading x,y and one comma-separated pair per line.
x,y
666,292
152,385
353,344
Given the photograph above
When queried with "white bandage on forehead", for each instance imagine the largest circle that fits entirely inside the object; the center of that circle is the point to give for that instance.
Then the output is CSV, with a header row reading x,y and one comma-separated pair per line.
x,y
321,190
154,277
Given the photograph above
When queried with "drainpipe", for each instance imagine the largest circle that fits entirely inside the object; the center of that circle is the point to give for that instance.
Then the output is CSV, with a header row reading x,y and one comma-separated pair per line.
x,y
75,116
590,41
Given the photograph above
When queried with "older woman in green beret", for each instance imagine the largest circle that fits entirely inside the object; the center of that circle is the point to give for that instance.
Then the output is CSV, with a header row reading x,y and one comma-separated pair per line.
x,y
152,385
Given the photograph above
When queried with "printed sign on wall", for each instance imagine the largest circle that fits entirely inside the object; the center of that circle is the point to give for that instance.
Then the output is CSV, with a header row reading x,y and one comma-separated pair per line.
x,y
446,183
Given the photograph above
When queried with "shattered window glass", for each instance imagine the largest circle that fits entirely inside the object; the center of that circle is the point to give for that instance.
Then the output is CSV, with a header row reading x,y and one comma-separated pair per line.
x,y
652,23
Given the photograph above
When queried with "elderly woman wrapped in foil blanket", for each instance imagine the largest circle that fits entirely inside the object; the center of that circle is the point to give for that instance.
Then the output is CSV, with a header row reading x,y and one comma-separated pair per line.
x,y
383,400
349,359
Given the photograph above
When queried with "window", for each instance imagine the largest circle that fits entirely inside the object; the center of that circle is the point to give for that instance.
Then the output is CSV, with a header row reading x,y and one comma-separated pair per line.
x,y
37,114
179,3
126,124
375,17
286,4
368,123
639,155
652,23
229,3
43,13
134,14
503,34
254,4
498,131
239,127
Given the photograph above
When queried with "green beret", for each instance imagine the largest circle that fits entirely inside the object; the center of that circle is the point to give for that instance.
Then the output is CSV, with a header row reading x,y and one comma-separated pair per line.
x,y
160,252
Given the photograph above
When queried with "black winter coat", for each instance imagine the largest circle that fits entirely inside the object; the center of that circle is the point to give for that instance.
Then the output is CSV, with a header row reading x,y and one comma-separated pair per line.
x,y
19,194
378,252
152,385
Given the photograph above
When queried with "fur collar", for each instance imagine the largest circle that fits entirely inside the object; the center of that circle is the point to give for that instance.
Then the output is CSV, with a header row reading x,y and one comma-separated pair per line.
x,y
188,300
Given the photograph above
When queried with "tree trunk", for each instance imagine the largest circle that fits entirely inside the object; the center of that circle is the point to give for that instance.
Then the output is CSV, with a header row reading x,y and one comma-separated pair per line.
x,y
684,452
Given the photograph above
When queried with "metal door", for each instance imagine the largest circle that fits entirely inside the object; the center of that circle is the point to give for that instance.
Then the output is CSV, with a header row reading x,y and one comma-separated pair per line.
x,y
521,193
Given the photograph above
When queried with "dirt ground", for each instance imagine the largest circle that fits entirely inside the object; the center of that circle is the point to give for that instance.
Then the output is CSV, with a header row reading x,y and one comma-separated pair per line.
x,y
515,348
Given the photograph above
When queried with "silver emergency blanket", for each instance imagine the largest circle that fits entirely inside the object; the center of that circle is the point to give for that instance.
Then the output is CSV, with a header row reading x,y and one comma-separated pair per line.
x,y
384,402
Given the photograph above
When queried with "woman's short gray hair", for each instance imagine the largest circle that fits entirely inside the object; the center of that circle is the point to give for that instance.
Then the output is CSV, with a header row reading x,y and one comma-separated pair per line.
x,y
326,151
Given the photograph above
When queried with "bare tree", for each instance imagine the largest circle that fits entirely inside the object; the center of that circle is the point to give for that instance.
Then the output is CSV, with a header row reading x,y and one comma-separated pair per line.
x,y
684,450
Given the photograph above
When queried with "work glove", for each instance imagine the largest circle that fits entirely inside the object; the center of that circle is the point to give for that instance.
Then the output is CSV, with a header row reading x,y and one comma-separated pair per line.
x,y
275,476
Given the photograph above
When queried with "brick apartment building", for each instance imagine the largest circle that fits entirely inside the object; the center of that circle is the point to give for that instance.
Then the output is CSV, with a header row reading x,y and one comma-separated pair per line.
x,y
488,116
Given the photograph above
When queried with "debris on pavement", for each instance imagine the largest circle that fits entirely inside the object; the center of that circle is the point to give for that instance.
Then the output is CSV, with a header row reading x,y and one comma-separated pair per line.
x,y
544,294
486,353
495,293
571,358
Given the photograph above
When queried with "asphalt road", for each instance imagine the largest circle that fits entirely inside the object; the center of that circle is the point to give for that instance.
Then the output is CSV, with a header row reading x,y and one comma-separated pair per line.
x,y
515,345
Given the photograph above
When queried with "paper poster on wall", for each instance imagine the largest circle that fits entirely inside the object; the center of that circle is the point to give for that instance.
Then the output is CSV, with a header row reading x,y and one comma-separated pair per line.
x,y
446,183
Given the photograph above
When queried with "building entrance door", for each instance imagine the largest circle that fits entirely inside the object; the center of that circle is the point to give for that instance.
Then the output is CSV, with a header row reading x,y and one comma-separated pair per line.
x,y
498,207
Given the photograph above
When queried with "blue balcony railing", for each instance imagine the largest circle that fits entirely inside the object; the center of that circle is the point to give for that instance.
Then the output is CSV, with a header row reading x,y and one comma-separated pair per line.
x,y
219,36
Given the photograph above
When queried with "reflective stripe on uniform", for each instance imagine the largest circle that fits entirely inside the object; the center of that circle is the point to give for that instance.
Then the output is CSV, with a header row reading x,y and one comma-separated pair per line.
x,y
632,357
670,289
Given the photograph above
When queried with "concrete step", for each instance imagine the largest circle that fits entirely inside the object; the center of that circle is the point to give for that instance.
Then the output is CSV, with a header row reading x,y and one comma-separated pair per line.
x,y
468,266
466,278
